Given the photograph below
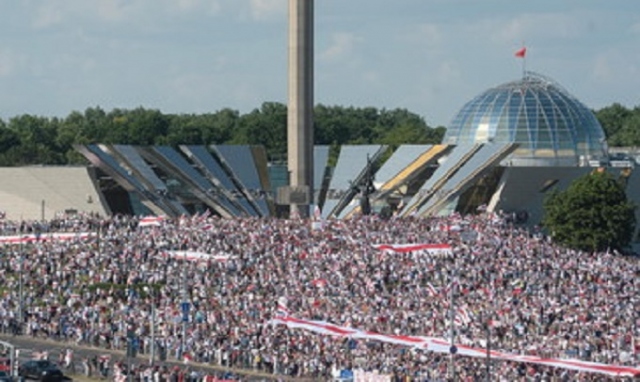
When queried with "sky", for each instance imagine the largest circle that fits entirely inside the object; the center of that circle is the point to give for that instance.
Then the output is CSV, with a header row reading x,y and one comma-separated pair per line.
x,y
200,56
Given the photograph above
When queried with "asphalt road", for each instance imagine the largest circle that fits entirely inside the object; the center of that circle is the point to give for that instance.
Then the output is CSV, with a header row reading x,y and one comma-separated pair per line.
x,y
28,345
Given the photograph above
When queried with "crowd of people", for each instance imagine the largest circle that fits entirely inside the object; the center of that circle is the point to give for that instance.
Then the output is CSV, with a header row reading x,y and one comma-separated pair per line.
x,y
520,292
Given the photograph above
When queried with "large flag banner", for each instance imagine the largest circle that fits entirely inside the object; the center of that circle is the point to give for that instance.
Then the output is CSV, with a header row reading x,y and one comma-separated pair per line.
x,y
432,249
46,237
438,345
150,221
196,256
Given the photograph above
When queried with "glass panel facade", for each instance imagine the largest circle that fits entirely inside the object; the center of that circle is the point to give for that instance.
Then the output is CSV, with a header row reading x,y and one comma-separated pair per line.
x,y
534,112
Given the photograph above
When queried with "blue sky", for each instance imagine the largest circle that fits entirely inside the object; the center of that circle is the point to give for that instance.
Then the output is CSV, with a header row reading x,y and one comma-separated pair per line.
x,y
197,56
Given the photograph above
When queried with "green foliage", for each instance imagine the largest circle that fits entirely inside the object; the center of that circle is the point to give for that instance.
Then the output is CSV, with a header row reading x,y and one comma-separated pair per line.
x,y
36,140
30,139
266,126
621,125
336,126
592,214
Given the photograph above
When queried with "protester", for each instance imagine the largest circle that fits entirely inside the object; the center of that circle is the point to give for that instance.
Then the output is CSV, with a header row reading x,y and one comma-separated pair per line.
x,y
517,289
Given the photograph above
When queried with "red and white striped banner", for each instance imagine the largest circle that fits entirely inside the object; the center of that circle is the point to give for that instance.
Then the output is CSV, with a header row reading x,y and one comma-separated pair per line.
x,y
54,236
151,221
196,256
438,345
433,249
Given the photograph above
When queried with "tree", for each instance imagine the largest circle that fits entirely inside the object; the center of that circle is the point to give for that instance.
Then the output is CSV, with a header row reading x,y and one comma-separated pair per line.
x,y
266,126
35,142
621,125
8,139
593,214
612,119
629,134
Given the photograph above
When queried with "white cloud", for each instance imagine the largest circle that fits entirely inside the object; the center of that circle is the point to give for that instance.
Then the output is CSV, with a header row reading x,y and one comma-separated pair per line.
x,y
51,13
47,15
187,5
502,30
616,65
145,13
602,71
372,77
342,44
447,72
9,62
555,26
114,10
76,63
430,34
268,9
210,7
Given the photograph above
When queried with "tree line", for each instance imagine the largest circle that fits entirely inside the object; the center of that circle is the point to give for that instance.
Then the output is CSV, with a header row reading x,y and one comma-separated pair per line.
x,y
29,139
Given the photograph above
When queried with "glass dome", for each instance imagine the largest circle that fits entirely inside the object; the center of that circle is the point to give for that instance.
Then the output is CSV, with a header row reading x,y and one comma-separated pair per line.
x,y
550,125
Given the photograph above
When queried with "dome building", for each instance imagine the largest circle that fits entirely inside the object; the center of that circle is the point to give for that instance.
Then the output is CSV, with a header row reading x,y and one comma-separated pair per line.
x,y
550,126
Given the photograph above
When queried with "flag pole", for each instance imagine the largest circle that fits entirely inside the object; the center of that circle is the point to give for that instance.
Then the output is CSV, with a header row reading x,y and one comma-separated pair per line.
x,y
524,60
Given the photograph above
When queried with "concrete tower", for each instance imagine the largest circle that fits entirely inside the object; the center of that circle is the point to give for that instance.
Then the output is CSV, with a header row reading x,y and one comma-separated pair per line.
x,y
300,109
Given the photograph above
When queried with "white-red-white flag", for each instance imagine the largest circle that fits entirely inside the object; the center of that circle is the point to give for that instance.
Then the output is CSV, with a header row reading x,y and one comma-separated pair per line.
x,y
463,317
281,308
430,248
431,290
150,221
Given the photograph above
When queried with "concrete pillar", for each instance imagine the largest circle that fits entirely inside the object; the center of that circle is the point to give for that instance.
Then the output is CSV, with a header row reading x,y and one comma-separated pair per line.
x,y
300,109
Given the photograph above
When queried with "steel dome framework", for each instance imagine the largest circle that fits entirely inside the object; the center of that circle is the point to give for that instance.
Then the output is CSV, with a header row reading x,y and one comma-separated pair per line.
x,y
551,126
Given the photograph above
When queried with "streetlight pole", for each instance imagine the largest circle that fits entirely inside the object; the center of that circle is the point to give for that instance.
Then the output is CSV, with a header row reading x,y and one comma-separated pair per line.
x,y
20,286
185,306
152,355
452,313
130,350
489,322
489,349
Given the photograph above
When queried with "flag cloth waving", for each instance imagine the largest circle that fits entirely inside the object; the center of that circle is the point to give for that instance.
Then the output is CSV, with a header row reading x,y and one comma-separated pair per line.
x,y
438,345
521,53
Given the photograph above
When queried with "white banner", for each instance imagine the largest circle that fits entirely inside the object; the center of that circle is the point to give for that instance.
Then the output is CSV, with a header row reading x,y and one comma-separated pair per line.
x,y
53,236
438,345
197,256
148,221
433,249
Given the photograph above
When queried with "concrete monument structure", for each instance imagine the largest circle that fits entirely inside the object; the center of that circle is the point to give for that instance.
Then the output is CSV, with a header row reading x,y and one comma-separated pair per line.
x,y
300,109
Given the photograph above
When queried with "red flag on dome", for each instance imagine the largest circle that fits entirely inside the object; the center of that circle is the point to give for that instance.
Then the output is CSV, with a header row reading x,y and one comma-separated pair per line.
x,y
521,52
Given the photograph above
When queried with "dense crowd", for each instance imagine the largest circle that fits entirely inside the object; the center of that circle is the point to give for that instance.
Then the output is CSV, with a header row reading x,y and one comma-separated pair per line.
x,y
522,293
